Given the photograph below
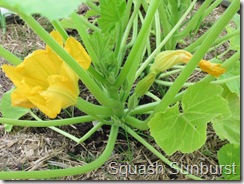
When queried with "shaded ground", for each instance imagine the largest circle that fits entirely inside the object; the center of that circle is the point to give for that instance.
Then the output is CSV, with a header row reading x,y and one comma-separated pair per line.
x,y
41,148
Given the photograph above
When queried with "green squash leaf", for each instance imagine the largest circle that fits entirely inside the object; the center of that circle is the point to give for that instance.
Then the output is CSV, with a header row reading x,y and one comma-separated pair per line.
x,y
229,158
234,70
185,130
67,23
48,8
229,128
112,12
8,111
235,42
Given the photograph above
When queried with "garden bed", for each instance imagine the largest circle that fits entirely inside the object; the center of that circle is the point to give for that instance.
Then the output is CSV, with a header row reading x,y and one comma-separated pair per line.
x,y
42,148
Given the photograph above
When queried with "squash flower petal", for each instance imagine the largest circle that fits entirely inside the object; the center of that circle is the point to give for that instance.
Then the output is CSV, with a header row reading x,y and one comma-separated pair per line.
x,y
75,49
211,68
168,59
44,81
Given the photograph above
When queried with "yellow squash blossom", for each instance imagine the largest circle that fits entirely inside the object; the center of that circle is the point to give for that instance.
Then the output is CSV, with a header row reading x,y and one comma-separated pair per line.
x,y
168,59
45,81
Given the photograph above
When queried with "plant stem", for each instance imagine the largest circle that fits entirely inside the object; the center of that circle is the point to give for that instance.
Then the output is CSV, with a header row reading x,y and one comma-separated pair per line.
x,y
93,6
73,138
229,79
169,73
134,34
158,29
66,134
56,24
158,154
165,40
69,171
211,7
133,60
193,22
84,36
92,109
127,31
60,122
136,123
166,83
90,132
11,58
214,31
154,97
84,21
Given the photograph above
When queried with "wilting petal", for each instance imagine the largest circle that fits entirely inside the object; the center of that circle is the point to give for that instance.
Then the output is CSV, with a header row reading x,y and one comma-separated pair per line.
x,y
211,68
77,51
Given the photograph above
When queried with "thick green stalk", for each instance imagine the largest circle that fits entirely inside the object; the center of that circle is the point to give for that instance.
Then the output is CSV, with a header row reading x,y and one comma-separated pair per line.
x,y
84,35
158,154
84,21
165,23
211,7
11,58
127,12
174,18
215,44
193,22
86,79
69,171
97,76
122,46
214,32
134,57
134,34
136,123
56,24
157,29
60,122
93,6
165,40
92,109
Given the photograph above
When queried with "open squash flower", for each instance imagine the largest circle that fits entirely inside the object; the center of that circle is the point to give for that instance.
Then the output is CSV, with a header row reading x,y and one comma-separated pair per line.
x,y
168,59
45,81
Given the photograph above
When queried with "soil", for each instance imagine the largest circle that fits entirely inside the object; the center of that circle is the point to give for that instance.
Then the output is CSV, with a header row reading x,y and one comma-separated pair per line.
x,y
41,148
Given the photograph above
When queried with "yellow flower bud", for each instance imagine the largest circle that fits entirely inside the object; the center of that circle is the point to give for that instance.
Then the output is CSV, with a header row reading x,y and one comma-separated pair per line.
x,y
168,59
143,86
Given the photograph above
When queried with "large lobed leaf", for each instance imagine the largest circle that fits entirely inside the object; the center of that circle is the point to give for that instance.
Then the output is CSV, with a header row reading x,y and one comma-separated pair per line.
x,y
229,128
229,158
48,8
232,71
186,131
